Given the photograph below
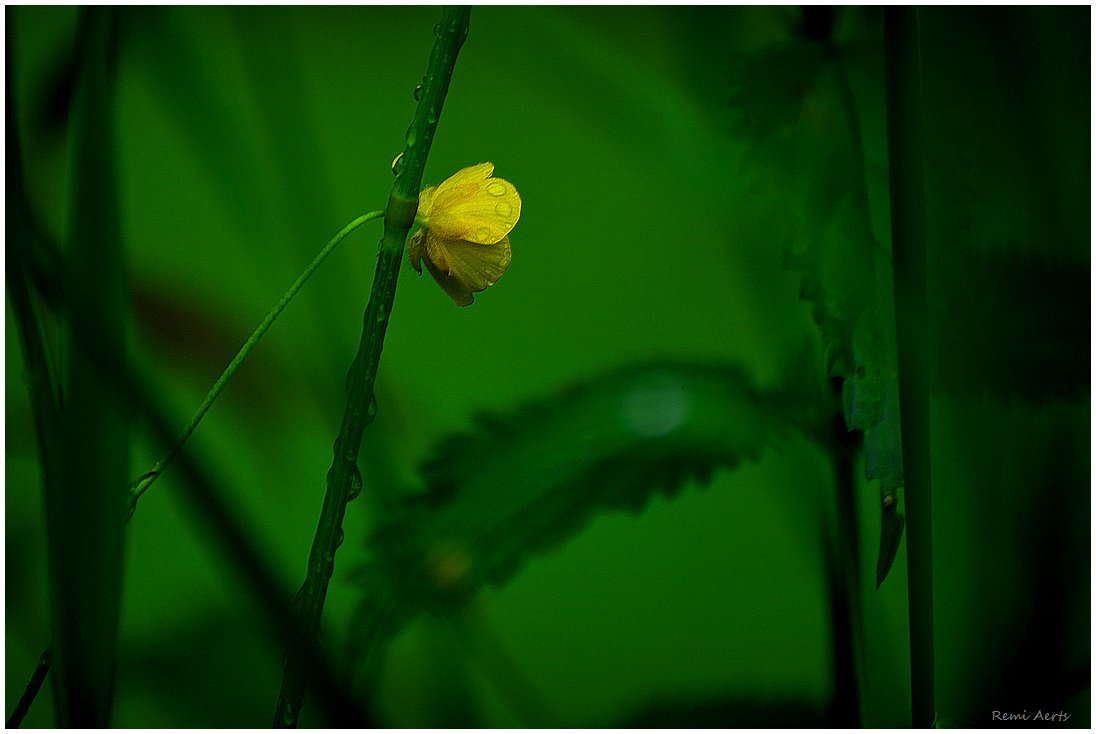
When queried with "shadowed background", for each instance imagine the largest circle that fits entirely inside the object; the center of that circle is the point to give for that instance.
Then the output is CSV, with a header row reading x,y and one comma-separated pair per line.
x,y
655,153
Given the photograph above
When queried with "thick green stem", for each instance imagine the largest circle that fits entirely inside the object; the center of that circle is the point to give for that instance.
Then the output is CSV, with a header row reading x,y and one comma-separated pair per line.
x,y
911,310
85,511
344,479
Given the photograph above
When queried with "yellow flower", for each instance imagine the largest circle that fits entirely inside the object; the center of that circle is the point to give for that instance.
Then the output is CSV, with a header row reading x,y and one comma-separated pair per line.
x,y
463,238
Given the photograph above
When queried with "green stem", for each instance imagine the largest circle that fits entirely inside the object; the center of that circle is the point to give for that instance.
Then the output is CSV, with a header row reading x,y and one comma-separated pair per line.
x,y
846,608
85,511
911,308
37,678
145,481
254,573
344,479
42,386
139,487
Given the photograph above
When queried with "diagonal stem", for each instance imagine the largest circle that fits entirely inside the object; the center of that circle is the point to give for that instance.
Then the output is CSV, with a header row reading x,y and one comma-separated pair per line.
x,y
344,479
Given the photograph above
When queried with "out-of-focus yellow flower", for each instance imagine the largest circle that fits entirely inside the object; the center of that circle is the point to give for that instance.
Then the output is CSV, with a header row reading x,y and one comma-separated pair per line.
x,y
463,238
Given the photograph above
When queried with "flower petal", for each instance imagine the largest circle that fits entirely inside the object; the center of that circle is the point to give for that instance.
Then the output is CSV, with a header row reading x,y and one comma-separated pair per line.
x,y
426,202
469,174
415,248
475,207
453,287
462,268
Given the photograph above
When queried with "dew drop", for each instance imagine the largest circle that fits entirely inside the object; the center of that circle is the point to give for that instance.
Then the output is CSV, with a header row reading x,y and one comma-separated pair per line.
x,y
410,137
504,208
371,411
657,405
417,94
397,164
339,538
437,28
496,188
432,116
483,233
355,485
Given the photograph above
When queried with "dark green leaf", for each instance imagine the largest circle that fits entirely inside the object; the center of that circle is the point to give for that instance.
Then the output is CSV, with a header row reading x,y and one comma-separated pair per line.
x,y
521,484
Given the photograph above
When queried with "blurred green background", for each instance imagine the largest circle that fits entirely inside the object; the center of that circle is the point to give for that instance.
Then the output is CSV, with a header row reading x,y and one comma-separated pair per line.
x,y
659,156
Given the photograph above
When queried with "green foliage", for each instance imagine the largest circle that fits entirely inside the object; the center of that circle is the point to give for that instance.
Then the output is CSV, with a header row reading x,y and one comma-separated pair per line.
x,y
661,200
523,483
820,154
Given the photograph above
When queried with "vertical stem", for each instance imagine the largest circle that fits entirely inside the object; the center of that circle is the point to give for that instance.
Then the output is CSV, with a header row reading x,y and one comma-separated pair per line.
x,y
846,614
911,310
86,512
360,406
42,387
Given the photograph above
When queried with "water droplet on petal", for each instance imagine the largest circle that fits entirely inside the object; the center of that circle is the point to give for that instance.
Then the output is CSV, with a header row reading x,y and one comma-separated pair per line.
x,y
483,233
496,188
417,94
503,208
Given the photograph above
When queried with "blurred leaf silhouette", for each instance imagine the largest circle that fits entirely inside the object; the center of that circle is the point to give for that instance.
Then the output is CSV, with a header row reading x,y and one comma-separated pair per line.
x,y
523,483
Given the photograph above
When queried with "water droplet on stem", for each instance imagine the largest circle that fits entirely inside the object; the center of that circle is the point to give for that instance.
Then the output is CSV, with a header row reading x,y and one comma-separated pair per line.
x,y
355,485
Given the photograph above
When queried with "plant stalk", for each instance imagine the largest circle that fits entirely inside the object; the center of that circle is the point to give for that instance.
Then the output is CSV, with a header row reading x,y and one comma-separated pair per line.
x,y
85,511
906,154
344,478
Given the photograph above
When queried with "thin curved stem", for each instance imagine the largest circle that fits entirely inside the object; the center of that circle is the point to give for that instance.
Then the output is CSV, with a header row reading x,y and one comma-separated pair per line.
x,y
141,485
